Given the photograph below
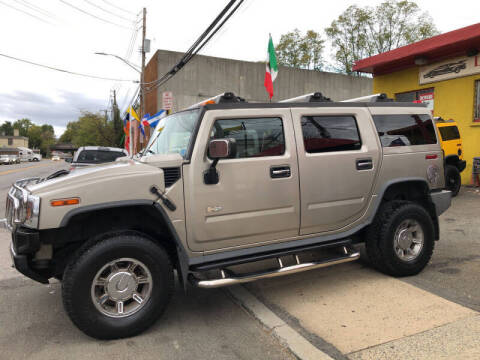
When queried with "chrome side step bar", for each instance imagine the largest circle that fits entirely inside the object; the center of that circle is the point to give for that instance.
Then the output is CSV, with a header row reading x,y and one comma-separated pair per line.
x,y
349,254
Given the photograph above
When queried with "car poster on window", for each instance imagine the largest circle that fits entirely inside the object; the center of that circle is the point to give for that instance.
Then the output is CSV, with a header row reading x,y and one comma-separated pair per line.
x,y
449,69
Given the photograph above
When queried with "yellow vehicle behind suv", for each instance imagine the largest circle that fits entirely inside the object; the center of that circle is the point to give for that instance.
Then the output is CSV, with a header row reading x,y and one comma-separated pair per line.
x,y
451,143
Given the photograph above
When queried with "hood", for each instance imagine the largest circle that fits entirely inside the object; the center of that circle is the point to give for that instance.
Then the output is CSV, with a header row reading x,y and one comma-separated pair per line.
x,y
102,173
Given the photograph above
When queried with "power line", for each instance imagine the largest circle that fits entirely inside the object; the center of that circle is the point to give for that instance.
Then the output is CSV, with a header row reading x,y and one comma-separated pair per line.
x,y
92,15
36,8
27,13
197,46
64,71
117,7
107,11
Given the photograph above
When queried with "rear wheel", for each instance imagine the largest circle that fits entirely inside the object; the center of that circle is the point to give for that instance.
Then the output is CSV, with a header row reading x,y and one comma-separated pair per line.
x,y
118,287
453,180
400,241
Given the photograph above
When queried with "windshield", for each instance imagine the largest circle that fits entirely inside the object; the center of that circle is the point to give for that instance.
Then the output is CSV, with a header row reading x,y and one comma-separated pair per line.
x,y
172,134
98,156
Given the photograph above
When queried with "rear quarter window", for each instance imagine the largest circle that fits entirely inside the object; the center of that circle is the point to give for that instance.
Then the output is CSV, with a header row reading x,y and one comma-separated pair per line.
x,y
449,133
405,130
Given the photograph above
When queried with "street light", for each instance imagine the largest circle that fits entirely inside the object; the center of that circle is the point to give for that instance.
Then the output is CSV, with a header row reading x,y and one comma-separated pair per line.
x,y
122,59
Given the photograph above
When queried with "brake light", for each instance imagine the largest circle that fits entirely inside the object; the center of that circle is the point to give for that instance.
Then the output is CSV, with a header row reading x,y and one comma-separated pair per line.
x,y
431,156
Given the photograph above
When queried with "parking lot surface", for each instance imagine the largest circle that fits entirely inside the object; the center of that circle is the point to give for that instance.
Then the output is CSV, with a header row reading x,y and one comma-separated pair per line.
x,y
348,311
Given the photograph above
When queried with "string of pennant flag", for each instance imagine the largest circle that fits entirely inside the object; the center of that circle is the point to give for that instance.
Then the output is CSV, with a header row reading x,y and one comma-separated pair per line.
x,y
147,120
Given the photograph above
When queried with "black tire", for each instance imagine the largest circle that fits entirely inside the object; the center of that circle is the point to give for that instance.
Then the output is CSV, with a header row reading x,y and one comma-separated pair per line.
x,y
82,270
453,180
379,241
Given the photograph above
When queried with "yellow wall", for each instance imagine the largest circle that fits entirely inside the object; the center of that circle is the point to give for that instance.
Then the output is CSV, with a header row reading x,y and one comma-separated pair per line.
x,y
454,99
17,141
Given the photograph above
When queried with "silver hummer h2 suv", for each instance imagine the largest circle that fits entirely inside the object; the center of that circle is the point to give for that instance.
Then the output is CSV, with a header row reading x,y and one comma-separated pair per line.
x,y
225,187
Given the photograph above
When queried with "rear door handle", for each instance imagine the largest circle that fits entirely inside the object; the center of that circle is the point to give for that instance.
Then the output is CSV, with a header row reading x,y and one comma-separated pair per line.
x,y
364,164
280,171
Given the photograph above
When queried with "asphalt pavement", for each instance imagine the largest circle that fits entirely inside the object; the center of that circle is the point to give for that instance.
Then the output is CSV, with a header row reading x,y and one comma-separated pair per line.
x,y
199,324
347,311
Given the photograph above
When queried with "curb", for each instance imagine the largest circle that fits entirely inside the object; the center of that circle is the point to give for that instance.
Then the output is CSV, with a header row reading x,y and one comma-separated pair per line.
x,y
295,342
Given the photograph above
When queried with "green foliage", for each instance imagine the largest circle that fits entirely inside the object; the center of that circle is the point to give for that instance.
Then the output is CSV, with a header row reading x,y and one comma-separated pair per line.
x,y
22,125
363,32
6,128
300,51
41,137
89,129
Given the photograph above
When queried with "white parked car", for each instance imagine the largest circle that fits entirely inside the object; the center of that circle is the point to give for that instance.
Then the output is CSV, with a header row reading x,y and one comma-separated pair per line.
x,y
92,155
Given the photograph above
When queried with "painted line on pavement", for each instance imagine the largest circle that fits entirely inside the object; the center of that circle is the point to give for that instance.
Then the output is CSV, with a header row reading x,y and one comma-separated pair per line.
x,y
23,168
295,342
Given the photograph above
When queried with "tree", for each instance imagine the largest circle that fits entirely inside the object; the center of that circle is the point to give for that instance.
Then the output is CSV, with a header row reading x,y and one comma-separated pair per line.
x,y
6,129
22,125
89,129
41,137
363,32
298,51
117,122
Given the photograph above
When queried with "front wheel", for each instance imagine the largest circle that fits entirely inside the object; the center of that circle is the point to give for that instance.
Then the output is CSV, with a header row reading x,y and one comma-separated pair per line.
x,y
400,241
118,287
453,180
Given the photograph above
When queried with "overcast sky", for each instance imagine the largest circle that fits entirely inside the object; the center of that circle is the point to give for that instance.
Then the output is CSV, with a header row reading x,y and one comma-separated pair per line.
x,y
56,34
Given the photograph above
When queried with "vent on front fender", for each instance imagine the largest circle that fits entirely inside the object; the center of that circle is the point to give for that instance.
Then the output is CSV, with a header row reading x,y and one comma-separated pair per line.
x,y
171,174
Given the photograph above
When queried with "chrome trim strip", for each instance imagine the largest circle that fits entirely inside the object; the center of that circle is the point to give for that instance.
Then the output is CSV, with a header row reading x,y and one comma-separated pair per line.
x,y
350,255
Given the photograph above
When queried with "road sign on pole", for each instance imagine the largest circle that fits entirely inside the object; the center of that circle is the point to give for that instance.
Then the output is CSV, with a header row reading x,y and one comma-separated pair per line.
x,y
167,100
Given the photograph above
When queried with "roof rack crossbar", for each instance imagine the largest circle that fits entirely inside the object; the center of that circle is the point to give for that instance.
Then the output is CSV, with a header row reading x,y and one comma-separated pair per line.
x,y
310,97
380,97
226,97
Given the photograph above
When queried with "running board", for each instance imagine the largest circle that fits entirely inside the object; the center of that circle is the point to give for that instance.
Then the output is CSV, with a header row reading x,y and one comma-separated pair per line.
x,y
349,254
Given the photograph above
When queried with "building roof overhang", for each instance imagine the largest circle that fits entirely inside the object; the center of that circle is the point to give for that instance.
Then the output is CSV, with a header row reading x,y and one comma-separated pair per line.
x,y
460,42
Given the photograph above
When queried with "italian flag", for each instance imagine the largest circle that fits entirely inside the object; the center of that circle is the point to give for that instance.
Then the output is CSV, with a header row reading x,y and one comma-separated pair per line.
x,y
272,68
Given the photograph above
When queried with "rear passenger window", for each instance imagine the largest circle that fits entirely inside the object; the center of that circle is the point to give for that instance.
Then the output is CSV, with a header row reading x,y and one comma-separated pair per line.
x,y
330,133
405,130
255,137
449,133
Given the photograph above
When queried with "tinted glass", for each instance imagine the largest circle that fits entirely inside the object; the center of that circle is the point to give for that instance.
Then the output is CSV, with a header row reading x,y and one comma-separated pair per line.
x,y
330,133
254,137
449,133
405,130
98,156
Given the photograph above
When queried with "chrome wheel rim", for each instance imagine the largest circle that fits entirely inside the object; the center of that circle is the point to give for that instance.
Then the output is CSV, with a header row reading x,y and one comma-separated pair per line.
x,y
408,240
121,287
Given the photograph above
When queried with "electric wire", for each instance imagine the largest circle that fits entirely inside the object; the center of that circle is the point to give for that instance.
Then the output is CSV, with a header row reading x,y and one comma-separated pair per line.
x,y
187,54
191,53
117,7
36,8
65,71
92,15
27,13
107,11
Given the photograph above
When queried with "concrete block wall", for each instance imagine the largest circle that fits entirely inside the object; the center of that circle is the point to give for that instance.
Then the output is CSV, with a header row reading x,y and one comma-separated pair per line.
x,y
207,76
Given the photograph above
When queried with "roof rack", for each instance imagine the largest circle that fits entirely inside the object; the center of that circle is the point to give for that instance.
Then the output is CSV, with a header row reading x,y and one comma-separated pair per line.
x,y
439,119
380,97
311,97
227,97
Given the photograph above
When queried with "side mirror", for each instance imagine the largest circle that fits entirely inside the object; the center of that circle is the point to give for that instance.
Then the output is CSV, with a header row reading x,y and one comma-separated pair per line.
x,y
218,149
222,148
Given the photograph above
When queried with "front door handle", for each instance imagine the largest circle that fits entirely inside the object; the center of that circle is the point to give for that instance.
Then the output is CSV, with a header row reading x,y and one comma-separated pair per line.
x,y
280,171
364,164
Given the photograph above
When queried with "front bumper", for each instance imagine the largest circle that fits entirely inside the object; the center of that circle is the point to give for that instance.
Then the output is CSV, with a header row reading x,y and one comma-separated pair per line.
x,y
21,263
441,200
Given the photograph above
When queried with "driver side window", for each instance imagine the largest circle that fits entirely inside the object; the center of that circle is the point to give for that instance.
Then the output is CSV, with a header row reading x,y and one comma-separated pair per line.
x,y
255,137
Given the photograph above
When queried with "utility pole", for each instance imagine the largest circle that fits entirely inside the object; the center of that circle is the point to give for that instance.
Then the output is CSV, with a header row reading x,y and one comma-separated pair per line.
x,y
142,74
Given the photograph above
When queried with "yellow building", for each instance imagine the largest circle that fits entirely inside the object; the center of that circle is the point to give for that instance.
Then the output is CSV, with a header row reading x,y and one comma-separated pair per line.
x,y
444,73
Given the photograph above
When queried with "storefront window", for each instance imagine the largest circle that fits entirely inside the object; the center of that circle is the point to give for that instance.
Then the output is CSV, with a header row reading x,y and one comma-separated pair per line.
x,y
476,112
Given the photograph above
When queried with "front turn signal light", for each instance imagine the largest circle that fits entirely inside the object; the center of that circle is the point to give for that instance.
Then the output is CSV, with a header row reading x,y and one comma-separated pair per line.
x,y
63,202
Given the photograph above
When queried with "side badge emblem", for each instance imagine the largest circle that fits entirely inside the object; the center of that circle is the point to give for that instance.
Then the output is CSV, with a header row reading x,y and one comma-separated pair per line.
x,y
212,209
